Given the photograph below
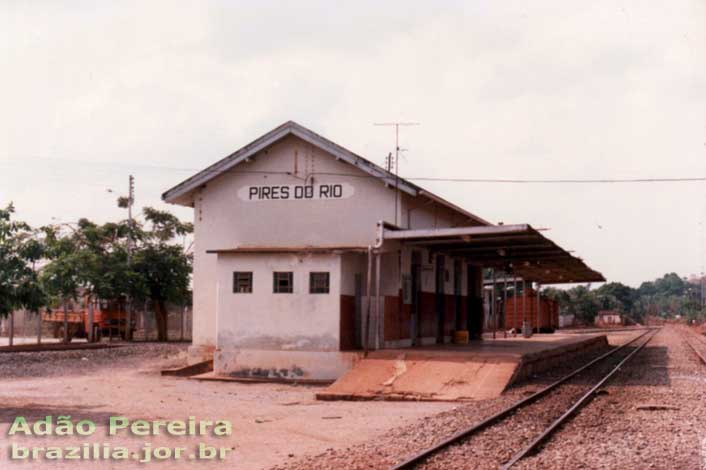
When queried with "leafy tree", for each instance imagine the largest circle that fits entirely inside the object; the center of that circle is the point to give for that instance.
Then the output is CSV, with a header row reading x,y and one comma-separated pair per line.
x,y
163,268
671,285
164,273
65,274
19,286
667,296
93,259
646,289
615,295
584,304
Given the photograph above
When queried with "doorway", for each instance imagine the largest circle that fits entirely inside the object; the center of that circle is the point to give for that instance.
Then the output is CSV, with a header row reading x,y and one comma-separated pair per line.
x,y
458,314
440,297
474,308
415,324
358,299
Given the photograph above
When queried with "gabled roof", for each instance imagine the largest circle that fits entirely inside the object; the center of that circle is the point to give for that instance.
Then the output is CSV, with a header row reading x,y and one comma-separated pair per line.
x,y
179,193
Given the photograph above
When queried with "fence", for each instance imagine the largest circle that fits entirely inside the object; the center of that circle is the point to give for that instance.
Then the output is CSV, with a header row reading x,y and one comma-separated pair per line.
x,y
179,321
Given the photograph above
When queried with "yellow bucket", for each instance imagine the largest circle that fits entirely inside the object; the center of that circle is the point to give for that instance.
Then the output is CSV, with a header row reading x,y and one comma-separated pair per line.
x,y
461,337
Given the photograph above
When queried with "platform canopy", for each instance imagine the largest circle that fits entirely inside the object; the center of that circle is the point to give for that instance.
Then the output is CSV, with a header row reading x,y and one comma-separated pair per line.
x,y
519,250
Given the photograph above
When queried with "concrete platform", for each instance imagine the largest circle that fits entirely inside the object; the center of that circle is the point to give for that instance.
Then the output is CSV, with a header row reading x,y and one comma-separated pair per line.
x,y
448,372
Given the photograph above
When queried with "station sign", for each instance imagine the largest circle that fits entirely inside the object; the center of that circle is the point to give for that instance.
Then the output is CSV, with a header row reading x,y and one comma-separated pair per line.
x,y
299,192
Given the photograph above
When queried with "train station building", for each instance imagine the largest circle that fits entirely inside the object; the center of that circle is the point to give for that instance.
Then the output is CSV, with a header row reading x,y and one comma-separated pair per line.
x,y
306,255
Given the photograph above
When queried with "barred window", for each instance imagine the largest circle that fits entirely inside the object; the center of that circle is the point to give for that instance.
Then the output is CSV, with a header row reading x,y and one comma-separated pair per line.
x,y
242,282
283,282
319,283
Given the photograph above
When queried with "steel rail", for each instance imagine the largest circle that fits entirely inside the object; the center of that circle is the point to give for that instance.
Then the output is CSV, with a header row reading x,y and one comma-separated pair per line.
x,y
417,458
606,330
578,404
696,351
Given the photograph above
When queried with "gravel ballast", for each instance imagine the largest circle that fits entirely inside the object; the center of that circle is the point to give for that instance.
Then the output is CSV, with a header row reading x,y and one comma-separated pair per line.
x,y
610,432
83,361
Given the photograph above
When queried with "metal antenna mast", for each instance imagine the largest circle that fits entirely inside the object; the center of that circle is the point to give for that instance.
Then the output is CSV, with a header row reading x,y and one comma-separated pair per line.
x,y
130,202
389,163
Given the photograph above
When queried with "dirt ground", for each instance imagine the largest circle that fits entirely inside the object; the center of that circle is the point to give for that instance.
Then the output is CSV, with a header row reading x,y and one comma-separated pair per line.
x,y
611,432
272,423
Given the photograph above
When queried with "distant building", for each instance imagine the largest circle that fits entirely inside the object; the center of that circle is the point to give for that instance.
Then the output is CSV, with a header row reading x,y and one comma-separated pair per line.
x,y
609,317
566,320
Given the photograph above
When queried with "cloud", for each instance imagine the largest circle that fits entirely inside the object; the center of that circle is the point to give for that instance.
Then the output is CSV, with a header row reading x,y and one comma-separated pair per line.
x,y
501,89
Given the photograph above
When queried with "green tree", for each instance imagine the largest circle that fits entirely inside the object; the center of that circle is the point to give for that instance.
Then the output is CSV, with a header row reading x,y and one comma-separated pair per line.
x,y
162,267
64,274
19,286
584,303
93,260
615,295
670,285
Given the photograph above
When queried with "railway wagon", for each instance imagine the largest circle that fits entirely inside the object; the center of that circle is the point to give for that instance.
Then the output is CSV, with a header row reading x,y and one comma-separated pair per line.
x,y
109,319
74,320
548,312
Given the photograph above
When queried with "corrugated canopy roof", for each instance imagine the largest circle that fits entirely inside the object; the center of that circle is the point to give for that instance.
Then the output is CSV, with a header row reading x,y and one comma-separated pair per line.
x,y
519,250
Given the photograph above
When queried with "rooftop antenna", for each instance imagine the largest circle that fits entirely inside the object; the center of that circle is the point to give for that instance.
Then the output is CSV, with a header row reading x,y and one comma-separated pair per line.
x,y
389,162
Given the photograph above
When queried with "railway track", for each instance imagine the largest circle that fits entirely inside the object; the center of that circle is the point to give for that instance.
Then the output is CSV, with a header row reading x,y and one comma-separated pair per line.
x,y
699,354
546,392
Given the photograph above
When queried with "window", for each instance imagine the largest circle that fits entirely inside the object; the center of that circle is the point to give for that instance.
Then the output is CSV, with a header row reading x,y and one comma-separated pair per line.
x,y
283,283
242,282
318,283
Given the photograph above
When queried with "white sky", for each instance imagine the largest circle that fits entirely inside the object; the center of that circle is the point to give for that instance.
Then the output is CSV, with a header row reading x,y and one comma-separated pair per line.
x,y
93,91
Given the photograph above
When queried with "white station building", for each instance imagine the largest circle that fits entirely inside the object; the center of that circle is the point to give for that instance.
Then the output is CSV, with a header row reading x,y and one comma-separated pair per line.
x,y
307,254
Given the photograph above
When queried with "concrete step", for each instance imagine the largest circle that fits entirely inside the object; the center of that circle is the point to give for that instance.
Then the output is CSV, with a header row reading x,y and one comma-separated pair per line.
x,y
188,371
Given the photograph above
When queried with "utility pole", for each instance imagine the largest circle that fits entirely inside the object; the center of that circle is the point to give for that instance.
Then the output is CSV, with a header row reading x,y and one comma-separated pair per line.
x,y
11,333
39,314
130,201
389,163
66,322
494,307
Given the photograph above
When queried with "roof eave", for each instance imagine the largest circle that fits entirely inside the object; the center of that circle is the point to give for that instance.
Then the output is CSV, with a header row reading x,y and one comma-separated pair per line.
x,y
210,172
174,194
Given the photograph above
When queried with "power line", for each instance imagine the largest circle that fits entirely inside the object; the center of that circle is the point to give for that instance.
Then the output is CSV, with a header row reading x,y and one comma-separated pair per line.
x,y
570,181
409,178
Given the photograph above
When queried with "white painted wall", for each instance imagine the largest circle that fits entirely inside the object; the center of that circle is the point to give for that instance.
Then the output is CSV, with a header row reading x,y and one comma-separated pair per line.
x,y
264,320
222,220
352,264
351,221
607,320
